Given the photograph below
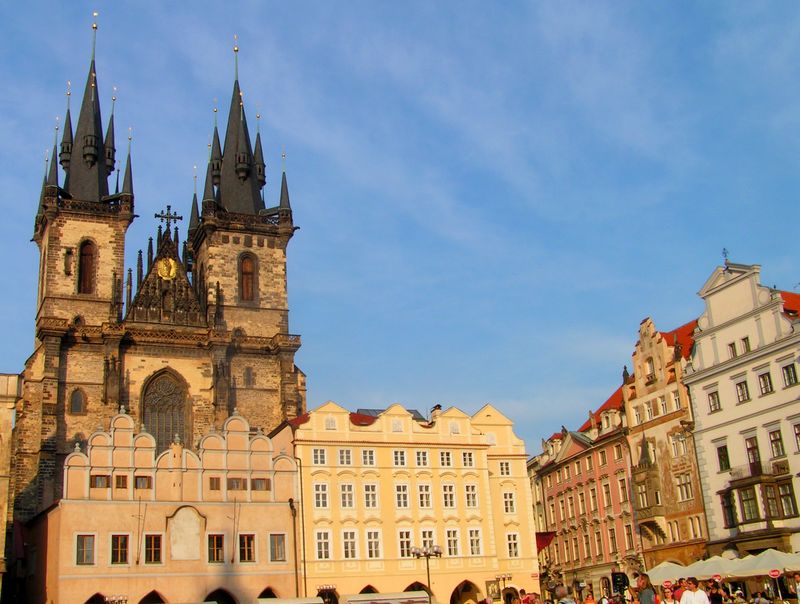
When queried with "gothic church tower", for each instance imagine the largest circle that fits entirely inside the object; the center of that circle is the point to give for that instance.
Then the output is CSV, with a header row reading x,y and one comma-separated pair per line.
x,y
199,332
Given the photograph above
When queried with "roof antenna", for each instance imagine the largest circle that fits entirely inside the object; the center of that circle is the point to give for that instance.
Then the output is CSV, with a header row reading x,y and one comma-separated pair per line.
x,y
195,180
130,138
113,99
236,56
283,159
69,92
94,32
55,136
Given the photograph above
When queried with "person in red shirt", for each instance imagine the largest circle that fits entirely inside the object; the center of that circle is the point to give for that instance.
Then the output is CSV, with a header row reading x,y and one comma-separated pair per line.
x,y
525,597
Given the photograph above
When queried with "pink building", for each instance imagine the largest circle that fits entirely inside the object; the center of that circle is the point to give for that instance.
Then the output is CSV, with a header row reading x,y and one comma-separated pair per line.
x,y
583,478
182,526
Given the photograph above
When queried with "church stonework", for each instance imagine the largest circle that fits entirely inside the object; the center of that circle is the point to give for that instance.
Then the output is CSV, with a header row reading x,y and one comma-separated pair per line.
x,y
194,333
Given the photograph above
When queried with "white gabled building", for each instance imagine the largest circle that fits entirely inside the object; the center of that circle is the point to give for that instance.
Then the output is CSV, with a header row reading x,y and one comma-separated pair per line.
x,y
743,383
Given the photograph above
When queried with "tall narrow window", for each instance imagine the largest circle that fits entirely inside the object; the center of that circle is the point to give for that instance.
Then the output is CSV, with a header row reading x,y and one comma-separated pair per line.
x,y
77,402
247,278
86,267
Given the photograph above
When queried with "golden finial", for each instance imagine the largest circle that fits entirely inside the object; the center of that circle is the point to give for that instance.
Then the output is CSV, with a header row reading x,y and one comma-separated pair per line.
x,y
258,123
215,114
69,92
113,99
236,56
94,32
130,138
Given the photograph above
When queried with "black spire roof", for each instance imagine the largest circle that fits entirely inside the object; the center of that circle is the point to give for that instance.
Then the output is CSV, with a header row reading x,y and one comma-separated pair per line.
x,y
127,181
284,203
194,216
87,166
239,184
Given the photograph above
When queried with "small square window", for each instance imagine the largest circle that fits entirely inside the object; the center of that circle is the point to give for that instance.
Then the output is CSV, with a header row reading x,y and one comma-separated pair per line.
x,y
277,547
143,482
368,457
214,483
247,548
120,481
237,484
789,375
765,383
99,481
713,401
505,469
446,459
259,484
318,457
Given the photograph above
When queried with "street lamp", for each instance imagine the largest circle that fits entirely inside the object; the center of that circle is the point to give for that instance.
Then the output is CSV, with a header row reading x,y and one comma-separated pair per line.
x,y
427,552
504,577
325,591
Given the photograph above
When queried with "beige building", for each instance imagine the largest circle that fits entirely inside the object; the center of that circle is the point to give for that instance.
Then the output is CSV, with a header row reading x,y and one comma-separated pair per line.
x,y
215,524
745,390
9,396
667,499
376,484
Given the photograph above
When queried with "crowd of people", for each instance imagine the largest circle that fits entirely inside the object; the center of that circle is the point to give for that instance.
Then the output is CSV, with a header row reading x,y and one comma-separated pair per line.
x,y
684,591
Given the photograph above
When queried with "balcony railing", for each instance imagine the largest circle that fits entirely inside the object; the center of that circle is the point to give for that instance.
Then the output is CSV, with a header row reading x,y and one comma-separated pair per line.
x,y
754,469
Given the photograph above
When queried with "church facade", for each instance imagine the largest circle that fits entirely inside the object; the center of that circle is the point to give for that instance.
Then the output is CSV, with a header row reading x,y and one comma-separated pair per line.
x,y
195,333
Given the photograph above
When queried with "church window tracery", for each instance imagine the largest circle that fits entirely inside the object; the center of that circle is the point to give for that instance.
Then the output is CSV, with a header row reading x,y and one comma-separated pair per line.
x,y
166,410
86,267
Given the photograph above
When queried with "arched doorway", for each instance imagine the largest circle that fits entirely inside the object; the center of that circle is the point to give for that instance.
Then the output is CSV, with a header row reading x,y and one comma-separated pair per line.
x,y
166,411
152,598
465,592
220,596
417,586
368,589
96,599
267,593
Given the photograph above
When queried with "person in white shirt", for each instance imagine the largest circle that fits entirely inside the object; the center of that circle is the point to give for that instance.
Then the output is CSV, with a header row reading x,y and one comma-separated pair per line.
x,y
693,594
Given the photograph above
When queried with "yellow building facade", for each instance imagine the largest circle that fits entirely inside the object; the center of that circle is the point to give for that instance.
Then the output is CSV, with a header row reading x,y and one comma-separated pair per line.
x,y
375,485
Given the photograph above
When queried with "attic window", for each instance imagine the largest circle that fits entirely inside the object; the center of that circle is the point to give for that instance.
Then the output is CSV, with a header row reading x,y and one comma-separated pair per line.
x,y
330,423
606,421
455,428
397,425
491,438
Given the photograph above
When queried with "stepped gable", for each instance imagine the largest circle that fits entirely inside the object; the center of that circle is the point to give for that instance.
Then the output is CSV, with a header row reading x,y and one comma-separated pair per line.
x,y
166,295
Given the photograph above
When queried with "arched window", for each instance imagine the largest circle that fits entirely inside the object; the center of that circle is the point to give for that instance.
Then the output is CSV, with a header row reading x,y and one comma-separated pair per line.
x,y
77,402
247,278
165,410
86,267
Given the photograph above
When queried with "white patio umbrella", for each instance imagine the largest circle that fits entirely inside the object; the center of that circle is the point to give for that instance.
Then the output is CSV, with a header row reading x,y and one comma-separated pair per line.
x,y
766,561
666,570
716,565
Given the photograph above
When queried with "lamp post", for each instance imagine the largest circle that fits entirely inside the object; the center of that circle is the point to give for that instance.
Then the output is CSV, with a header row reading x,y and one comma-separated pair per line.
x,y
324,591
505,578
427,552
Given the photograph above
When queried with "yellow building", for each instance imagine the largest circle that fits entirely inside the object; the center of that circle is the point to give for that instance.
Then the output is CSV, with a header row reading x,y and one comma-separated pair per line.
x,y
215,524
378,483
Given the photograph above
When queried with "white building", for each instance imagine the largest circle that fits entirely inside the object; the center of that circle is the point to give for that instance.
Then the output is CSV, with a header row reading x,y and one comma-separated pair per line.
x,y
743,384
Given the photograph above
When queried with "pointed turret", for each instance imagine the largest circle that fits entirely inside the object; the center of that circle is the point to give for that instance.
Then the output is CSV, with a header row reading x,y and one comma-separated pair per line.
x,y
194,215
66,142
110,150
127,181
208,191
52,176
258,162
216,158
284,203
88,174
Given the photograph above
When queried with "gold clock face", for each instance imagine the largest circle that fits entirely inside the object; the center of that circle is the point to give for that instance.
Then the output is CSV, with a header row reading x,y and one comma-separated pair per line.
x,y
167,268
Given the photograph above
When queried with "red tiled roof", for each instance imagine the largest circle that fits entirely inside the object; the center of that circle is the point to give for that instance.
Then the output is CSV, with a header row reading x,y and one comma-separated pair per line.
x,y
360,419
791,303
614,402
556,436
683,336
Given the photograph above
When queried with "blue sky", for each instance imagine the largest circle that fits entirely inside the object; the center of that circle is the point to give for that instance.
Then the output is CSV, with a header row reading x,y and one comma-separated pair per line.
x,y
491,195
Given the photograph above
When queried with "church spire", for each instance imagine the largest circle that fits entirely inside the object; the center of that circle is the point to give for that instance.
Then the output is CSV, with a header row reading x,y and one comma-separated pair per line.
x,y
238,184
258,156
127,180
110,150
194,215
88,177
66,140
284,202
